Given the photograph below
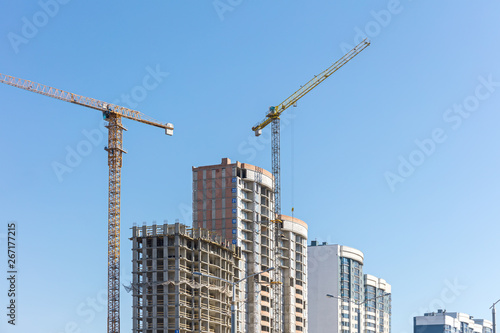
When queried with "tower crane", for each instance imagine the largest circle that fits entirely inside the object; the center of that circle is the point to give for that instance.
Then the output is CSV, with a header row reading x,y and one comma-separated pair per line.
x,y
113,114
273,118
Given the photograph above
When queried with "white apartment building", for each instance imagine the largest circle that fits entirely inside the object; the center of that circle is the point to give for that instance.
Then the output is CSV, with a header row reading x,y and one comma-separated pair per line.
x,y
357,302
450,322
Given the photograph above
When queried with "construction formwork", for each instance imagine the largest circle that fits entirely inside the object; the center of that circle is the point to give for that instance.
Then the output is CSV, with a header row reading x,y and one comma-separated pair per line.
x,y
167,296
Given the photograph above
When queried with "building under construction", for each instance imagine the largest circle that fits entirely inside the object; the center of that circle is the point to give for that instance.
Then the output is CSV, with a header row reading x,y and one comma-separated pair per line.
x,y
232,238
167,296
236,201
293,260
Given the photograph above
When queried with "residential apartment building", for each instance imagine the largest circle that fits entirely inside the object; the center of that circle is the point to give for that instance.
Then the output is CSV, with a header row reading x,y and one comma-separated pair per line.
x,y
377,308
167,296
358,302
450,322
236,201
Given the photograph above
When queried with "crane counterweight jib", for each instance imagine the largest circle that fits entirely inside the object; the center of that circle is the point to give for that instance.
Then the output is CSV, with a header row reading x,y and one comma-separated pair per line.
x,y
169,129
84,101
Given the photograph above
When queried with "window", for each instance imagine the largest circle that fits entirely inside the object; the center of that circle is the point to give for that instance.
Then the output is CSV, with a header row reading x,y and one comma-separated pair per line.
x,y
345,323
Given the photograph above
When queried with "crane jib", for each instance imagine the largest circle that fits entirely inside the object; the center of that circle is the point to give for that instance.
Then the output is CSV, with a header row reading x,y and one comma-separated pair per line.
x,y
276,111
84,101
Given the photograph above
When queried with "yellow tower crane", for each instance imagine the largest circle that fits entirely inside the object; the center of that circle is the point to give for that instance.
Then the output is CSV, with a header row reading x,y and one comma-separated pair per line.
x,y
113,114
273,116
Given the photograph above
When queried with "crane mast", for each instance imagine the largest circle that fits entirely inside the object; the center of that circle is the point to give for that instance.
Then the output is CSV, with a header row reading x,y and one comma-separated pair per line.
x,y
113,114
273,117
115,151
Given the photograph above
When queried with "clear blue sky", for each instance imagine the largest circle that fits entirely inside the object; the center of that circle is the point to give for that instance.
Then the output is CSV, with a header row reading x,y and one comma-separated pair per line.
x,y
431,226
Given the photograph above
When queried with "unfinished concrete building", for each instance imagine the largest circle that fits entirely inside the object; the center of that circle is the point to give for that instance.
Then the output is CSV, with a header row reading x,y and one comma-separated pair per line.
x,y
236,201
167,296
293,260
